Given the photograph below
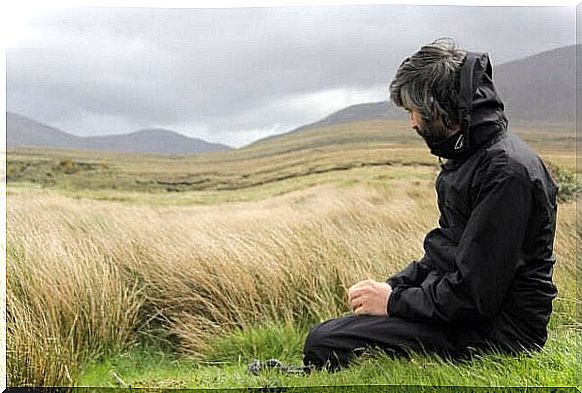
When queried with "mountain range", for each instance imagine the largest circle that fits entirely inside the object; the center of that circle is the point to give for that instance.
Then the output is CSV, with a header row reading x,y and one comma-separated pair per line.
x,y
22,131
537,90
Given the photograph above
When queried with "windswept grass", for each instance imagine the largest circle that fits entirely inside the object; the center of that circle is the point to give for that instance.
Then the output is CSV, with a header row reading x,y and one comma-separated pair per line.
x,y
88,279
93,272
109,271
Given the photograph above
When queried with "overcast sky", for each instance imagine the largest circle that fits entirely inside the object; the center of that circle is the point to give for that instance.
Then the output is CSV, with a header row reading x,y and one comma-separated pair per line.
x,y
236,75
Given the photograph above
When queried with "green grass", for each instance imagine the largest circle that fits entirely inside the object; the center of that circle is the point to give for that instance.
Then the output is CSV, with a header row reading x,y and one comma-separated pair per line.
x,y
225,363
226,366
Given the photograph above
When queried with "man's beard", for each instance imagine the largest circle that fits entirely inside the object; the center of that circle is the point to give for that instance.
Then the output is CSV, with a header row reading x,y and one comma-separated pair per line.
x,y
432,133
443,142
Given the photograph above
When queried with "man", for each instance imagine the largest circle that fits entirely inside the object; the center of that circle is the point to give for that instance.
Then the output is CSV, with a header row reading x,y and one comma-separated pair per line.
x,y
485,280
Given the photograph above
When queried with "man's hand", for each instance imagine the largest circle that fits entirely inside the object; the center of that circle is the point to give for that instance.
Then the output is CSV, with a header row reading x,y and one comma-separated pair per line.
x,y
369,297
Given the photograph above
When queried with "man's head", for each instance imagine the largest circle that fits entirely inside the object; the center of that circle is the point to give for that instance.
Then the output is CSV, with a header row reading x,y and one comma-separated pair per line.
x,y
427,85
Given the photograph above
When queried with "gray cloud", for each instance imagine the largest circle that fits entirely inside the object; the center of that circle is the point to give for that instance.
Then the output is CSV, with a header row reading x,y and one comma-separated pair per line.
x,y
234,75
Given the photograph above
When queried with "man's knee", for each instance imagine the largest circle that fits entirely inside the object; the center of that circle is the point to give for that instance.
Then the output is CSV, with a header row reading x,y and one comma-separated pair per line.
x,y
322,350
313,352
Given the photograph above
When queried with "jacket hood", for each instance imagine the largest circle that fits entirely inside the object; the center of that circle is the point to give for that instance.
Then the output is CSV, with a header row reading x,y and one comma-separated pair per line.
x,y
480,110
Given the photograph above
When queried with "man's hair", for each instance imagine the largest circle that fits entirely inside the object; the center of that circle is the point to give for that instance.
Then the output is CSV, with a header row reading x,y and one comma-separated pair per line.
x,y
428,82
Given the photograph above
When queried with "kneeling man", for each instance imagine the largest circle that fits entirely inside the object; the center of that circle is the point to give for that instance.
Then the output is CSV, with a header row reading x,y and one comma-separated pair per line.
x,y
485,279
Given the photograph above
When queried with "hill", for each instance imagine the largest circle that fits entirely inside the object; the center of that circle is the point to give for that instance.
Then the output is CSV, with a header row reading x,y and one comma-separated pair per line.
x,y
540,88
22,131
537,90
152,141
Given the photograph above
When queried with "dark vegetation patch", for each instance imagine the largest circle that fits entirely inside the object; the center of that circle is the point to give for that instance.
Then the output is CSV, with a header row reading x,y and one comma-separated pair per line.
x,y
567,180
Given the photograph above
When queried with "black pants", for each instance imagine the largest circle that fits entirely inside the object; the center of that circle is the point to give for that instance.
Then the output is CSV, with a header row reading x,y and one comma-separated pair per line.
x,y
334,343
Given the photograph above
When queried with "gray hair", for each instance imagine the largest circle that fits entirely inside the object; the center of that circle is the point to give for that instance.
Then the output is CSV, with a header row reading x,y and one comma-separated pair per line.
x,y
428,82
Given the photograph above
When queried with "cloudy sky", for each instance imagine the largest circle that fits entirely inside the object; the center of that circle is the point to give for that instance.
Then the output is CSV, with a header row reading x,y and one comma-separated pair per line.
x,y
236,75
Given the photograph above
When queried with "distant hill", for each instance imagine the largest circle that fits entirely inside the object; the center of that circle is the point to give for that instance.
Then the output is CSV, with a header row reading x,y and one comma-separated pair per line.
x,y
152,141
22,131
374,111
539,88
536,90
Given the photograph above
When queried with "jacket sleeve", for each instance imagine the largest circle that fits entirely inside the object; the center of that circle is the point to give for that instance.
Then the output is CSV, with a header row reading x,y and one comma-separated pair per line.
x,y
487,256
411,275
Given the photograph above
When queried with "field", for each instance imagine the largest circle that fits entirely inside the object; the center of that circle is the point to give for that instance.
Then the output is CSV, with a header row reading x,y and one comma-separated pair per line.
x,y
143,270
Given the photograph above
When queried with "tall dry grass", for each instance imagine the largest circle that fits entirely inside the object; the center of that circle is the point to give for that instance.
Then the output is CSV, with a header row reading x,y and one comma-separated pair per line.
x,y
88,277
67,300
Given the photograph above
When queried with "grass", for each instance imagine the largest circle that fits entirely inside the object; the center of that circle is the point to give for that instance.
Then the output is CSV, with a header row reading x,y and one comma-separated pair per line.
x,y
554,366
374,176
209,269
182,289
216,271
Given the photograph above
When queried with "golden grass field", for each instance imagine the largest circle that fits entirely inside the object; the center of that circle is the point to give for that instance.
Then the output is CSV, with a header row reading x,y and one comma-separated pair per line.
x,y
108,250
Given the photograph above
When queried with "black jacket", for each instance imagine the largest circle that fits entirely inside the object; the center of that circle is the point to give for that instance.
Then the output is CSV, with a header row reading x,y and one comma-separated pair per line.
x,y
488,266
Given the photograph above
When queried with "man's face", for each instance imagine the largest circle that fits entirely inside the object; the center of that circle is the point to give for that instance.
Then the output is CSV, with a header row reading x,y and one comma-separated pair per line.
x,y
416,124
436,132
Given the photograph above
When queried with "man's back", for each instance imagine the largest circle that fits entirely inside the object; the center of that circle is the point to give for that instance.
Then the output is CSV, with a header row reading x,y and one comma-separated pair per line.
x,y
521,291
527,305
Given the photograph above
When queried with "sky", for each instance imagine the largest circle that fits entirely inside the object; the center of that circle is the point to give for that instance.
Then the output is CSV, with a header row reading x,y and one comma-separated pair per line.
x,y
235,75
